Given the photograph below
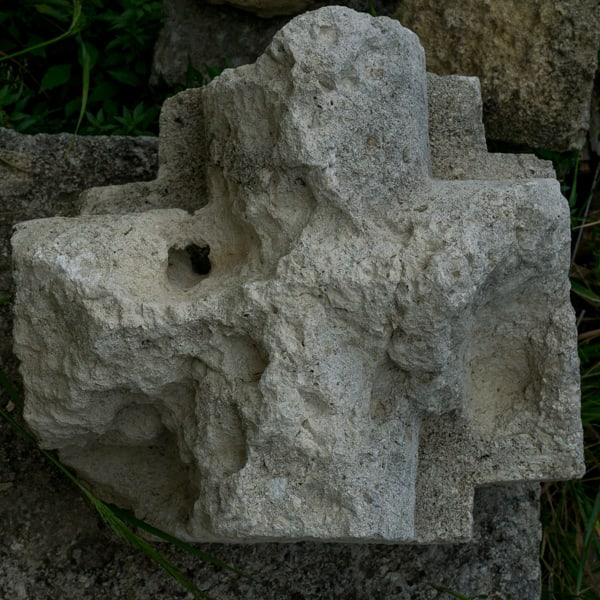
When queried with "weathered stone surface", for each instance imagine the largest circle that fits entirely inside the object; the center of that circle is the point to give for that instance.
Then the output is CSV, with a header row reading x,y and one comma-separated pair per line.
x,y
536,61
369,344
43,175
79,557
595,120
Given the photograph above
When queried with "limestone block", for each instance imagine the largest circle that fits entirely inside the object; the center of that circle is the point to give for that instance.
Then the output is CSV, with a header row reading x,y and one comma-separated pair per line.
x,y
43,175
536,61
346,337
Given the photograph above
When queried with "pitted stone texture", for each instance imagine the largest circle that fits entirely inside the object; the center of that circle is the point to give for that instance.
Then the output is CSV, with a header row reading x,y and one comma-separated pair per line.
x,y
43,175
457,136
536,61
364,344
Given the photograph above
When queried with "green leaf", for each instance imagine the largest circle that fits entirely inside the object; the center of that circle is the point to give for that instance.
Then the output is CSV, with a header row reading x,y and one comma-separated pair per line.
x,y
110,107
445,590
92,55
125,77
573,193
75,26
584,292
55,76
590,532
72,106
8,97
86,63
45,9
103,92
127,516
25,122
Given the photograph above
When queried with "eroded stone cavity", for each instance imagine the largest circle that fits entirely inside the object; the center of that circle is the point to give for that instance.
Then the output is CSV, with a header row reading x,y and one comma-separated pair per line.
x,y
346,337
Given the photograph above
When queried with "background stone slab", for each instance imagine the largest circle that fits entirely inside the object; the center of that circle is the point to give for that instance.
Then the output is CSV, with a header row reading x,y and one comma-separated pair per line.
x,y
52,546
203,34
536,61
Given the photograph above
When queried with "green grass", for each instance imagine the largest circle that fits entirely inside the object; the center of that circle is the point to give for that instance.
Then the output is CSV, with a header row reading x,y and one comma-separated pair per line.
x,y
79,65
83,66
443,593
570,550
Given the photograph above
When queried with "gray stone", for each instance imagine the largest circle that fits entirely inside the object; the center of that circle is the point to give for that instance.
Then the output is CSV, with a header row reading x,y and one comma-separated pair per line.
x,y
203,37
595,120
207,37
270,8
43,176
77,557
457,136
536,61
364,345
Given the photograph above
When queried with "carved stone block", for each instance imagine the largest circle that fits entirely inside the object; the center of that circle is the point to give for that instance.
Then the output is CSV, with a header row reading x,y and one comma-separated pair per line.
x,y
362,317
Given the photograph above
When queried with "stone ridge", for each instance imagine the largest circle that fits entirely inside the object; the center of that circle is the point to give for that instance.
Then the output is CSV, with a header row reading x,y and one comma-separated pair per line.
x,y
362,320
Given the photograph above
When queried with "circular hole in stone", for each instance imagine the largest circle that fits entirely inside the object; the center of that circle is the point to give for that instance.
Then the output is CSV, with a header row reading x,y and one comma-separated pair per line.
x,y
199,258
187,267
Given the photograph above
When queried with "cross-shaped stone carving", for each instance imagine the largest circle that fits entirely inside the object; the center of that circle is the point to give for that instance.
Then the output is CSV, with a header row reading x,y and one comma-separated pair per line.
x,y
365,316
